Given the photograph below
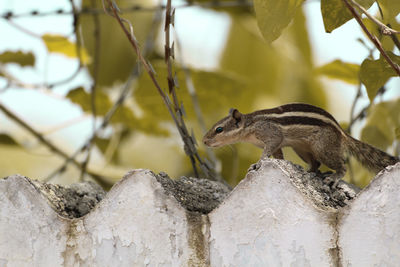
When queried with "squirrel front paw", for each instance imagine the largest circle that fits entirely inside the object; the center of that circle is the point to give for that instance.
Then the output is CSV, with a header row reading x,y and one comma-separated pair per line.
x,y
331,181
254,167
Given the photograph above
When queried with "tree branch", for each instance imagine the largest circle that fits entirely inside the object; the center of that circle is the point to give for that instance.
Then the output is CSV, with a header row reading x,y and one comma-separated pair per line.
x,y
100,179
395,39
169,53
386,30
93,88
190,149
196,106
372,37
127,88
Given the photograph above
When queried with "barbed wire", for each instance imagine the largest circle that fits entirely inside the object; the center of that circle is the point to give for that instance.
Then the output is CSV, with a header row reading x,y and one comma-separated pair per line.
x,y
134,8
174,107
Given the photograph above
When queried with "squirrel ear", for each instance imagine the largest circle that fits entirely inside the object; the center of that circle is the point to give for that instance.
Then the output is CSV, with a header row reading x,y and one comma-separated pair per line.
x,y
236,114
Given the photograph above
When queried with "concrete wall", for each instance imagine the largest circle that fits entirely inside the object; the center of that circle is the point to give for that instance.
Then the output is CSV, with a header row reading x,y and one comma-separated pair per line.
x,y
278,215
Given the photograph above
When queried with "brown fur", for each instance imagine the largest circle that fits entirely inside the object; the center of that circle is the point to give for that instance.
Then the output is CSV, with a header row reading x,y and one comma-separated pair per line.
x,y
311,131
371,157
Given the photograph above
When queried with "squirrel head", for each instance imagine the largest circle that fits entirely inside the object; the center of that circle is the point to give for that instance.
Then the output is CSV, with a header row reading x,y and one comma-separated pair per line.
x,y
225,131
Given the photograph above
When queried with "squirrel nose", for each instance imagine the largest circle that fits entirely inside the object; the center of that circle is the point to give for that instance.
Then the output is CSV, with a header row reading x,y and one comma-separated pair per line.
x,y
206,141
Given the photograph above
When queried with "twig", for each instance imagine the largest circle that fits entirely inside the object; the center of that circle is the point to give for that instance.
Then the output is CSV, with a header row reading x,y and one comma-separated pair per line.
x,y
363,112
353,119
16,82
93,88
169,53
24,30
386,30
78,51
196,105
106,120
65,124
96,63
60,82
112,147
372,37
189,142
121,99
51,146
395,39
353,105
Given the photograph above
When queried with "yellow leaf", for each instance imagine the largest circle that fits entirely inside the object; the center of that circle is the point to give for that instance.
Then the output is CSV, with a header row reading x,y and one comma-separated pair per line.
x,y
335,13
338,69
6,139
19,57
274,15
60,44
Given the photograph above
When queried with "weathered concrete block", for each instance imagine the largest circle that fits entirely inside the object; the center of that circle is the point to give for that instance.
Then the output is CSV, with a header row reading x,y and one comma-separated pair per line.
x,y
136,224
279,215
369,228
31,232
267,221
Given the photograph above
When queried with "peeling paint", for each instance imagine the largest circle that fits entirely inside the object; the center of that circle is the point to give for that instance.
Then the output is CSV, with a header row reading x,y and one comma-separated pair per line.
x,y
265,221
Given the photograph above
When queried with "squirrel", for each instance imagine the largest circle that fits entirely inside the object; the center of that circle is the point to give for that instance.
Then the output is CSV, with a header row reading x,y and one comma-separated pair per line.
x,y
312,132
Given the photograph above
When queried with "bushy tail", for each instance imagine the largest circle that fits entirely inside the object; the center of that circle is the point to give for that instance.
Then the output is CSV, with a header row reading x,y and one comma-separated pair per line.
x,y
372,158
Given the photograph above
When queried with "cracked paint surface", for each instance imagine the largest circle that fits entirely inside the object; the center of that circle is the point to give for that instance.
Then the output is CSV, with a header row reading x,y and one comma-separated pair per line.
x,y
265,221
370,227
268,222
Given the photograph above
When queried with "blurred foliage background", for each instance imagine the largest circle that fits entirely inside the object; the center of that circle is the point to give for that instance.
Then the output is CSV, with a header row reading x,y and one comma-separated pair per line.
x,y
57,88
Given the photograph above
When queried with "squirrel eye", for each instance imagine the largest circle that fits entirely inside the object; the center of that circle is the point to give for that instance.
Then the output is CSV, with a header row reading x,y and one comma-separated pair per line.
x,y
219,130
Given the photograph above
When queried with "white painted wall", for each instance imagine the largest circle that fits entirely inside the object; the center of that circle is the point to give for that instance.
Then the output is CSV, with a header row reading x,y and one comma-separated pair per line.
x,y
272,218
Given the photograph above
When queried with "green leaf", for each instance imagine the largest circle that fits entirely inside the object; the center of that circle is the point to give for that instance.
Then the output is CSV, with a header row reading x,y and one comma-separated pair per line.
x,y
213,90
102,143
382,121
273,16
264,69
338,69
21,58
82,98
397,133
116,56
6,139
375,73
385,40
374,135
390,9
335,13
123,115
60,44
344,124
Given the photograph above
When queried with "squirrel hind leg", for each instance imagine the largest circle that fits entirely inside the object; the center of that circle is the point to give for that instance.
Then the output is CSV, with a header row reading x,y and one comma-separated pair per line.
x,y
335,160
308,157
314,166
278,154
